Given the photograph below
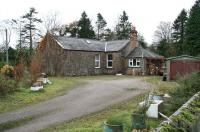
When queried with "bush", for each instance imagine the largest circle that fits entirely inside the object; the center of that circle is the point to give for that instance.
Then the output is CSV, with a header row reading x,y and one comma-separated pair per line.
x,y
2,64
189,85
19,71
7,70
7,85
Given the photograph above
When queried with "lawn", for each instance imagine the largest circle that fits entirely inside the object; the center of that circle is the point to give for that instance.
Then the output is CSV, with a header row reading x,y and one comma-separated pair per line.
x,y
24,97
93,122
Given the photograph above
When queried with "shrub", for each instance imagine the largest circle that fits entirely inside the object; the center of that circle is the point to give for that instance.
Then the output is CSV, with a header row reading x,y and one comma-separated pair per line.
x,y
19,71
189,85
7,70
7,85
2,64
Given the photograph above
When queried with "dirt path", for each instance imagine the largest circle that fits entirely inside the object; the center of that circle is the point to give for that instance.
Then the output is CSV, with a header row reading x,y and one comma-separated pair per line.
x,y
91,97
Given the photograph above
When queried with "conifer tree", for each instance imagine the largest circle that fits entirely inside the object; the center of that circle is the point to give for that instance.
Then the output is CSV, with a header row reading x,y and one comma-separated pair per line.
x,y
192,43
30,30
178,34
85,28
123,28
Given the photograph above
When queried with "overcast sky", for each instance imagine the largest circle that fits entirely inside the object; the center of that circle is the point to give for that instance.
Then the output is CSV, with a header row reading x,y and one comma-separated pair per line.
x,y
144,14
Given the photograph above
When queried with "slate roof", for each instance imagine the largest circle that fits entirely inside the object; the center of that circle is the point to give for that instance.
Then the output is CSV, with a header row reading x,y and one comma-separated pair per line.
x,y
141,52
90,45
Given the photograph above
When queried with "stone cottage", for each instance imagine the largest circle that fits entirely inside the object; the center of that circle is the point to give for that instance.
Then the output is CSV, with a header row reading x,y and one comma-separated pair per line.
x,y
76,56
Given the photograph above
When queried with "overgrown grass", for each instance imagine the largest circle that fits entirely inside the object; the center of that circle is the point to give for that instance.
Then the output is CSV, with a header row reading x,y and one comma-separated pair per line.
x,y
24,97
93,122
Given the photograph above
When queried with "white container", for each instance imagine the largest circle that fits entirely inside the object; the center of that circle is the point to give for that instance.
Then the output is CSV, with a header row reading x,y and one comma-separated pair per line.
x,y
153,109
36,88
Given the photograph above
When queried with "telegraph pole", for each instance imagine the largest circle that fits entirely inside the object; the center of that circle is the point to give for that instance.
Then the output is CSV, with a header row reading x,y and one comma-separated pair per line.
x,y
6,46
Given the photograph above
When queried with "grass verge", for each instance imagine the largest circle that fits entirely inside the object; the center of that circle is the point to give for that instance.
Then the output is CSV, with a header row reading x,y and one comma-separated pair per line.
x,y
12,124
60,86
24,97
15,123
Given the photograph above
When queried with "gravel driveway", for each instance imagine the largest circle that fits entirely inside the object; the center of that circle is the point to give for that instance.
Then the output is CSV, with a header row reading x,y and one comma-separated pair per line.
x,y
90,97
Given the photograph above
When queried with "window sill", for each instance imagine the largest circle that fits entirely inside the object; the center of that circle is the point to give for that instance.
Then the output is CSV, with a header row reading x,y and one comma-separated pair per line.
x,y
134,67
109,67
97,67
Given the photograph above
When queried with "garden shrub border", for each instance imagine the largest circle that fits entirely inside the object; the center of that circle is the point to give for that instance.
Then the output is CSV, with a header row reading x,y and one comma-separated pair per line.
x,y
185,118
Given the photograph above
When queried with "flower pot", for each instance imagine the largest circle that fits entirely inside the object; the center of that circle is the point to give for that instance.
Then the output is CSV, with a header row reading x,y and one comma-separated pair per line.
x,y
112,128
138,121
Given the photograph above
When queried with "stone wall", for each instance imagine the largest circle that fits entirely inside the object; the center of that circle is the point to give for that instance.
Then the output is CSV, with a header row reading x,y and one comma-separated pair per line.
x,y
135,70
190,108
83,63
59,61
52,56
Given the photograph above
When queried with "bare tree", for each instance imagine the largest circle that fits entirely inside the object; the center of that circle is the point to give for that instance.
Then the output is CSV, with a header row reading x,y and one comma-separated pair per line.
x,y
163,32
52,22
18,27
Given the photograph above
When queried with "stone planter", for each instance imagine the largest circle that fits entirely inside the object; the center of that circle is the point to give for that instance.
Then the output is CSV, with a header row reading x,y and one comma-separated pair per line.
x,y
112,128
138,121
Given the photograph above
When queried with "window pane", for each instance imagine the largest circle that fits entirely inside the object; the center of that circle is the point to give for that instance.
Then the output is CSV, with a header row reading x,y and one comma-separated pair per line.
x,y
97,57
131,63
109,63
97,60
97,64
134,62
138,63
110,57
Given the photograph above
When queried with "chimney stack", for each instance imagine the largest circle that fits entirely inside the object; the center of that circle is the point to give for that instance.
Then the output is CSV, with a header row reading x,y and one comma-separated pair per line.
x,y
133,38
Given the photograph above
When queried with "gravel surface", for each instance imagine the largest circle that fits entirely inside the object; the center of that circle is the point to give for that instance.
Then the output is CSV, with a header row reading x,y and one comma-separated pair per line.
x,y
90,97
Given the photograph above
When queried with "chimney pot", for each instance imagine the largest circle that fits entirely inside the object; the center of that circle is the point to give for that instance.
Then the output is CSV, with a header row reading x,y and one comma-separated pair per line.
x,y
133,32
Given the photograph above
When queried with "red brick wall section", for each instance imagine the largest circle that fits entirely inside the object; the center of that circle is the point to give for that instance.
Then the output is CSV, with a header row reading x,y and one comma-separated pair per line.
x,y
183,67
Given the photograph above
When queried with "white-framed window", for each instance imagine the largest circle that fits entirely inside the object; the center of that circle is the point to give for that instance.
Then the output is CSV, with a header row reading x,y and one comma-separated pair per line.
x,y
109,61
97,61
134,62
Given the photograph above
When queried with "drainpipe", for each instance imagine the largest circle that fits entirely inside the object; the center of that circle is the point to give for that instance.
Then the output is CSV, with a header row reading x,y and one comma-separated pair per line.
x,y
106,47
143,68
